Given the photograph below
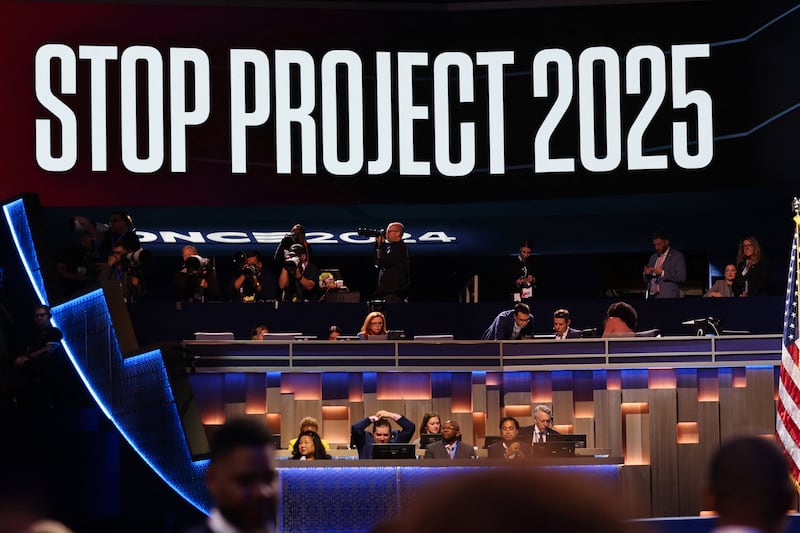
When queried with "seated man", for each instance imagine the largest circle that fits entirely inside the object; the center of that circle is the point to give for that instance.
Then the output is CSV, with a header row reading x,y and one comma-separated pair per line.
x,y
450,447
513,324
561,326
542,426
510,447
309,424
381,432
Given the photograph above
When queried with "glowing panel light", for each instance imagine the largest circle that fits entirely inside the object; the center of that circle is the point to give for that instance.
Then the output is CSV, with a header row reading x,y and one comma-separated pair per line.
x,y
661,378
403,386
518,410
688,433
304,386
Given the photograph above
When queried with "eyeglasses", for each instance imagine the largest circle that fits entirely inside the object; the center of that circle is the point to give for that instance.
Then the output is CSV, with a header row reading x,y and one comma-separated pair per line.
x,y
527,319
548,421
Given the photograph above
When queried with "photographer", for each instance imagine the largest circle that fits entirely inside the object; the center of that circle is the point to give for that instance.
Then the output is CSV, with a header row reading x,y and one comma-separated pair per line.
x,y
197,280
122,266
391,256
252,283
297,235
119,231
298,277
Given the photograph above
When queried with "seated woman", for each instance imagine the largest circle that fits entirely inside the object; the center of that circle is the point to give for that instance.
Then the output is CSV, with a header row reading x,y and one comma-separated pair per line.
x,y
309,447
374,324
309,423
621,320
431,424
724,288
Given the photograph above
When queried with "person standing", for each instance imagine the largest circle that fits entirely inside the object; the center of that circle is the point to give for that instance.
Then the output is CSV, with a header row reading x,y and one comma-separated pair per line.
x,y
513,324
520,271
752,277
666,270
242,479
32,382
391,252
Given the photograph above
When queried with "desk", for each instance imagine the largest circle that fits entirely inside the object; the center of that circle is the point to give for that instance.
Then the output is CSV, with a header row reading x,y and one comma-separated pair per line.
x,y
355,495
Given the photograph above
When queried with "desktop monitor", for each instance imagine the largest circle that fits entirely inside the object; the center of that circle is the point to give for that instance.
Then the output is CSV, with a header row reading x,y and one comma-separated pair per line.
x,y
394,450
428,438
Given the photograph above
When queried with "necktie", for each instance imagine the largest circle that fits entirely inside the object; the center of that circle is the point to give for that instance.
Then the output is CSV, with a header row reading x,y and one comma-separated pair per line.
x,y
451,449
541,437
659,264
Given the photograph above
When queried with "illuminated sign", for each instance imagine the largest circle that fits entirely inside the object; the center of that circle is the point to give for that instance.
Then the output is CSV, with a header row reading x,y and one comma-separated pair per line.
x,y
156,113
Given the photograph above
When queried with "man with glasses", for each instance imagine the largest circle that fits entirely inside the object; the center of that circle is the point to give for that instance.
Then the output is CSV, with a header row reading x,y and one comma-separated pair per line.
x,y
513,324
120,232
541,428
391,256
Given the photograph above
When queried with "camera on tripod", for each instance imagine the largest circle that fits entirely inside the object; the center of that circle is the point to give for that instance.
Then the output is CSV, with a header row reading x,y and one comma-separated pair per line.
x,y
366,232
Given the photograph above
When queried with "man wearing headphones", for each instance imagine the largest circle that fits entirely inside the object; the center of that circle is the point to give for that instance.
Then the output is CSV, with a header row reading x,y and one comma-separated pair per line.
x,y
120,232
381,432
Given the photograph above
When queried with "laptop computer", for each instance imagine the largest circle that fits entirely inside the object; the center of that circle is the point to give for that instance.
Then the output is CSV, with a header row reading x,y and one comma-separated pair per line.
x,y
553,448
281,336
577,438
394,450
428,438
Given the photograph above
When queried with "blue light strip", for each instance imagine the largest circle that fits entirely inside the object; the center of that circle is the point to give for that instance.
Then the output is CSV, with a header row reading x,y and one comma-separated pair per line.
x,y
102,370
17,220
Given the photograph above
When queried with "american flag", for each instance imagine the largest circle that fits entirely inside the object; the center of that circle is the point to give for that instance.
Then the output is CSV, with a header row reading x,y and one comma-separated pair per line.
x,y
788,420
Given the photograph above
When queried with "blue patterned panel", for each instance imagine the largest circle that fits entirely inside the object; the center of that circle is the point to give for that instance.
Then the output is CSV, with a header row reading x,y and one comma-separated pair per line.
x,y
336,499
17,219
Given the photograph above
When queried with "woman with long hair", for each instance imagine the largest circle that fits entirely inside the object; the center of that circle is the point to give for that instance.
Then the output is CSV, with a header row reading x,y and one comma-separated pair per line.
x,y
374,324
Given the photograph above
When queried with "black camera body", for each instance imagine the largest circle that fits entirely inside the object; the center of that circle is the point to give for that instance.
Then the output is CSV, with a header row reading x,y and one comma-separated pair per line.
x,y
196,265
249,271
366,232
291,263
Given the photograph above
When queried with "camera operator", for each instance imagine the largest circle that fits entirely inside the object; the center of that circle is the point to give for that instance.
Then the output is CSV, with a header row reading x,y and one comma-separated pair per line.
x,y
391,256
298,277
120,231
252,283
122,266
197,280
297,235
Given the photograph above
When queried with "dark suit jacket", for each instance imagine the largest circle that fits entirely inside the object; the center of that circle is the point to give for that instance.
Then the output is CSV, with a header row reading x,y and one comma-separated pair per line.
x,y
498,451
526,433
674,274
573,333
503,326
438,451
757,279
364,440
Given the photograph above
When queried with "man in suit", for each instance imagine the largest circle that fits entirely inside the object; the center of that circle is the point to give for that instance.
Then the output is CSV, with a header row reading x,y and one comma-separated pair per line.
x,y
242,479
450,447
513,324
666,270
381,432
510,447
561,322
541,428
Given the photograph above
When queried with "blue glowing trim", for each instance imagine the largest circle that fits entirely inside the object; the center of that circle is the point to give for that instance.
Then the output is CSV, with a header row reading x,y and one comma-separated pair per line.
x,y
171,469
78,367
16,216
